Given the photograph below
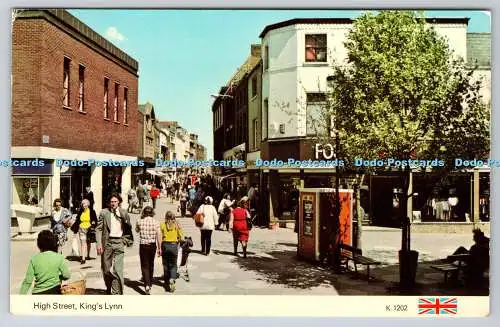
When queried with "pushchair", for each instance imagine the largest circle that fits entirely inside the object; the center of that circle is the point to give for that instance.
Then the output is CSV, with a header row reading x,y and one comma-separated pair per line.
x,y
133,202
182,258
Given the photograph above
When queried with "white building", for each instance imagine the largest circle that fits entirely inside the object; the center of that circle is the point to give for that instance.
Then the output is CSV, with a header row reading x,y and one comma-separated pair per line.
x,y
298,56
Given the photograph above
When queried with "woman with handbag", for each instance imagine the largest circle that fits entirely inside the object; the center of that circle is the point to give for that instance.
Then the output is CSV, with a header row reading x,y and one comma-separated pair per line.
x,y
59,221
238,224
171,235
84,226
210,220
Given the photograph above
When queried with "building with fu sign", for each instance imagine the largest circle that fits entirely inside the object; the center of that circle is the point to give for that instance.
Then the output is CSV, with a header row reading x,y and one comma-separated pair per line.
x,y
297,58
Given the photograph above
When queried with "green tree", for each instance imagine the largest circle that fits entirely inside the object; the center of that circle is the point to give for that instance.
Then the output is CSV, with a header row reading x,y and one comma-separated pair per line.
x,y
403,94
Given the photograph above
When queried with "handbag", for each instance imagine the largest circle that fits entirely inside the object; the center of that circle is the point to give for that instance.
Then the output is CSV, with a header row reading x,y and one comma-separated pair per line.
x,y
249,223
199,219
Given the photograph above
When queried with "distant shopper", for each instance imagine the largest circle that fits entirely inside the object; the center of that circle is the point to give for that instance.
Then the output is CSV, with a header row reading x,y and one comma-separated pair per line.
x,y
84,227
172,234
238,225
154,194
140,194
183,198
224,210
210,220
150,244
47,268
59,221
89,195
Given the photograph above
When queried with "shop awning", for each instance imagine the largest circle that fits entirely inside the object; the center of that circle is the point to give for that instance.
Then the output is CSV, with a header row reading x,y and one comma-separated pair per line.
x,y
155,173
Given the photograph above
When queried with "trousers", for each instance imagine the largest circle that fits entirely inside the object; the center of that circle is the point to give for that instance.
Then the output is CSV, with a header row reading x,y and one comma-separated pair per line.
x,y
112,265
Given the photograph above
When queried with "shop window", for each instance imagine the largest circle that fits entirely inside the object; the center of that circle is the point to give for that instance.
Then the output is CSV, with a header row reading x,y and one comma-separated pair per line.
x,y
66,82
316,48
33,191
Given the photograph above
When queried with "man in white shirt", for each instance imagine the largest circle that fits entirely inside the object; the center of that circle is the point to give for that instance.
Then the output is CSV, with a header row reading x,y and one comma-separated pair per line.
x,y
113,233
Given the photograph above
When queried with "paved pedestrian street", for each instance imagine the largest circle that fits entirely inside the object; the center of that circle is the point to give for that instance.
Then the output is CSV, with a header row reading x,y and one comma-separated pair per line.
x,y
270,268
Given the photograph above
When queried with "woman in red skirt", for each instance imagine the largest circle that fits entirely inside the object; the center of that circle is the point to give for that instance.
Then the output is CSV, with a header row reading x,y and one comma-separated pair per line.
x,y
238,225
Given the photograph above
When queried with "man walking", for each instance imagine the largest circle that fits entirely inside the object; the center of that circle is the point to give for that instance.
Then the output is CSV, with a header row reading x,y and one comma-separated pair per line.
x,y
113,233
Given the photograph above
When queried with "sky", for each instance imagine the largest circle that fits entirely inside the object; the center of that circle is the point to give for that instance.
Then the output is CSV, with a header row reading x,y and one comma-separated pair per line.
x,y
186,55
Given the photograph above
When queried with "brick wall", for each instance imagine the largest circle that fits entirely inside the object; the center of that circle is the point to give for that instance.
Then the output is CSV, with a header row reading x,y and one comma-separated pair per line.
x,y
39,49
26,46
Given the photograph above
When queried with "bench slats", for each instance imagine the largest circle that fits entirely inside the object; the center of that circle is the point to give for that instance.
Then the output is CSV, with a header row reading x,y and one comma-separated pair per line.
x,y
445,267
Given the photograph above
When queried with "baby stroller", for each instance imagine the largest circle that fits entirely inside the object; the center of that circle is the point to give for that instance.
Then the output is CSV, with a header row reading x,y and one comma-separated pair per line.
x,y
133,202
182,258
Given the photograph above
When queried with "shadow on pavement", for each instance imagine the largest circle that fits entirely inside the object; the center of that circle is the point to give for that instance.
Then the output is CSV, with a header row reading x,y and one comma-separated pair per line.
x,y
285,268
95,291
135,285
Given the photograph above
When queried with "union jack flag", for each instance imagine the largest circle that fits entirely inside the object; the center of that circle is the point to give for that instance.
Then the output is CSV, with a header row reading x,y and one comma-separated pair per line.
x,y
437,306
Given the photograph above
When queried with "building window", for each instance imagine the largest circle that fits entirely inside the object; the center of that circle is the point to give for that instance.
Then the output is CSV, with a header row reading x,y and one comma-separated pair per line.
x,y
265,115
115,103
316,114
254,86
255,129
66,82
81,88
266,58
106,95
125,105
149,141
316,48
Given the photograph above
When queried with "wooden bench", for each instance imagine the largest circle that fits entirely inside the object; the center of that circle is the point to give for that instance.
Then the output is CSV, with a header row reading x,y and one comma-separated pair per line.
x,y
446,268
348,253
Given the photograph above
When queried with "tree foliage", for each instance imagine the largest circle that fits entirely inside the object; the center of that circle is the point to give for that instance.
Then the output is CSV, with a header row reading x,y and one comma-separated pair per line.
x,y
403,93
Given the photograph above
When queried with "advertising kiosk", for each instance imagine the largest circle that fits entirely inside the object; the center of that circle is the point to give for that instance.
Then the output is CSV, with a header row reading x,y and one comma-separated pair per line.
x,y
317,221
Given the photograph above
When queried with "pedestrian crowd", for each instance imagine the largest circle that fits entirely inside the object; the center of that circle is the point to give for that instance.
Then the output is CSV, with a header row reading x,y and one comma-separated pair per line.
x,y
111,231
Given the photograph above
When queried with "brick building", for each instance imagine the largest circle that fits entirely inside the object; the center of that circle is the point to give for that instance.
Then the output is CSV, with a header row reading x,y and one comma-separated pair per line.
x,y
74,96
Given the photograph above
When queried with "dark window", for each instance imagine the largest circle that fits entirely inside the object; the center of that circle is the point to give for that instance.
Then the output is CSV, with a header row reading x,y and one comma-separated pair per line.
x,y
254,86
266,58
316,47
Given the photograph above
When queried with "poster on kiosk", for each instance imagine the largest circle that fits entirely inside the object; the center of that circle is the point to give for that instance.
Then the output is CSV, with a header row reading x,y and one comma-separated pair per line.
x,y
317,221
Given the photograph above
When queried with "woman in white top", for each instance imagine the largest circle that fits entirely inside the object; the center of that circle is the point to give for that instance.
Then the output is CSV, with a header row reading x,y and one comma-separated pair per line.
x,y
224,211
210,220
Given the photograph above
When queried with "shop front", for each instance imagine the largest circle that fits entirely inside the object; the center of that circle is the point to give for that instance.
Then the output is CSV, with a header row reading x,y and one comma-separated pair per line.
x,y
31,194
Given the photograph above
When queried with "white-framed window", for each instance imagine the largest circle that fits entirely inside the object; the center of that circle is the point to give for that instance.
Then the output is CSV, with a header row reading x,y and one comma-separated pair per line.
x,y
115,102
66,82
106,97
81,88
125,105
316,122
316,48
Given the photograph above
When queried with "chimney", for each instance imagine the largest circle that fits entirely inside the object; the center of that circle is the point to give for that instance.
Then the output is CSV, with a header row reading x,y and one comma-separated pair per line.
x,y
255,50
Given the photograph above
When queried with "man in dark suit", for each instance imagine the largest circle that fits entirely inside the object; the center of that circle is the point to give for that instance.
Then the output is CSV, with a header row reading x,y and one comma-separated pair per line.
x,y
113,233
